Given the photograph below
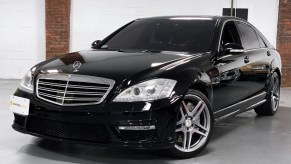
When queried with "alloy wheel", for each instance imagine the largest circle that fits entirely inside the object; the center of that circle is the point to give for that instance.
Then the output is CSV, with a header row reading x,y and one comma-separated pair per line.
x,y
194,124
275,93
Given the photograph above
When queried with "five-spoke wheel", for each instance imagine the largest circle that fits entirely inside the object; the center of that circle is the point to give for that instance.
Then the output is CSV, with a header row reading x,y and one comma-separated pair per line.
x,y
275,93
271,105
194,125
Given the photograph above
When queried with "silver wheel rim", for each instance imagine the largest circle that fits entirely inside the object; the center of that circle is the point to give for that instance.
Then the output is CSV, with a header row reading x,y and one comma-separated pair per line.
x,y
275,94
193,126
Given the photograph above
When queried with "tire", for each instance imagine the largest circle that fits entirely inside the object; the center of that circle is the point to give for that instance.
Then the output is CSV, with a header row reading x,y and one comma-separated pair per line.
x,y
270,107
195,119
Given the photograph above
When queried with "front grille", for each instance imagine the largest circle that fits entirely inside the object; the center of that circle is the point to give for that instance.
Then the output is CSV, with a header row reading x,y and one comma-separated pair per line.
x,y
135,135
66,90
66,130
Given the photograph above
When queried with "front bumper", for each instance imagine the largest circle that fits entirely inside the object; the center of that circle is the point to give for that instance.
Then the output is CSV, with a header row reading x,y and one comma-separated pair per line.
x,y
98,124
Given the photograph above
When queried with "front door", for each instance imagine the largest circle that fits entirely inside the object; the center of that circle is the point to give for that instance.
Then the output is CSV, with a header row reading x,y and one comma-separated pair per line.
x,y
232,85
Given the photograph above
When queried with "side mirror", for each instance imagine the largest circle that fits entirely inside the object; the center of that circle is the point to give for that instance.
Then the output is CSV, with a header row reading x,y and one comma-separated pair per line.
x,y
232,48
95,43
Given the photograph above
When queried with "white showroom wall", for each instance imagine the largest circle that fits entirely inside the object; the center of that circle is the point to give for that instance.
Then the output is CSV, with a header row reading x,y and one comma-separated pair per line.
x,y
95,19
22,36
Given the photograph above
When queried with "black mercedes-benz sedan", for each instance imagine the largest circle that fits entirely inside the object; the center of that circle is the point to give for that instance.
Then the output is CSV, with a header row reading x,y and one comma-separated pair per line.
x,y
155,83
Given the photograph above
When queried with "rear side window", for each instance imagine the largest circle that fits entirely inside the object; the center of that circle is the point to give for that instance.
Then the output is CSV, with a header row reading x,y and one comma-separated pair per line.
x,y
261,36
248,36
261,41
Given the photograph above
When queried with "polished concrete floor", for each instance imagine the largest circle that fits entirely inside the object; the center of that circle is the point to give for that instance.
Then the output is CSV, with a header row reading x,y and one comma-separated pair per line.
x,y
245,138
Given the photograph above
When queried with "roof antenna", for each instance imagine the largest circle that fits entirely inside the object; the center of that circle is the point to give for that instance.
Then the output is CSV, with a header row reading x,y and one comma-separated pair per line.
x,y
231,8
235,8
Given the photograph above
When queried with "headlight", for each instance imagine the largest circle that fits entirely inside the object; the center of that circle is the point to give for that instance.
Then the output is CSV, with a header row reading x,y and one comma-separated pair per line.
x,y
148,90
26,83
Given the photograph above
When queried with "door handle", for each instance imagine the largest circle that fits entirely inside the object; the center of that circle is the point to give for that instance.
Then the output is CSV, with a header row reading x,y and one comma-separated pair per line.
x,y
247,59
268,53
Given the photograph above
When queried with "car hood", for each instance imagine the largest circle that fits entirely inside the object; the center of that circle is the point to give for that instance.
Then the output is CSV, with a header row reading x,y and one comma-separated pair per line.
x,y
112,64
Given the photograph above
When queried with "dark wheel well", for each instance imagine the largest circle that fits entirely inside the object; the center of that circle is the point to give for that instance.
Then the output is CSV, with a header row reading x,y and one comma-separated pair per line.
x,y
279,74
270,106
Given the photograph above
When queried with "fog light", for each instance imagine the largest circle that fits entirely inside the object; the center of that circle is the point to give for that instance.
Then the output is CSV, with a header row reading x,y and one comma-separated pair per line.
x,y
150,127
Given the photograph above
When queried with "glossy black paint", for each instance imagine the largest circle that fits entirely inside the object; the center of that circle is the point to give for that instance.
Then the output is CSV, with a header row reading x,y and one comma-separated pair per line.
x,y
232,83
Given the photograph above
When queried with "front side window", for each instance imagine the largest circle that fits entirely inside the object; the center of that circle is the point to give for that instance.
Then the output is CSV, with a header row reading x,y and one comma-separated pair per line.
x,y
230,34
248,36
183,35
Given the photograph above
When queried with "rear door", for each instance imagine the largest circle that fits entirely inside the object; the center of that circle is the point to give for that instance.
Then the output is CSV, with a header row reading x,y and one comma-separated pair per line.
x,y
259,65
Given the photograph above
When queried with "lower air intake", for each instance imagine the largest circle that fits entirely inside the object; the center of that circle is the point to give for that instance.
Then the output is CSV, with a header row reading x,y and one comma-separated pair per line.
x,y
66,130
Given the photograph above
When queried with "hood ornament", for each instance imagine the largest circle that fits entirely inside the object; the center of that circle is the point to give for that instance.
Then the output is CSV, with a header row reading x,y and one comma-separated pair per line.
x,y
77,65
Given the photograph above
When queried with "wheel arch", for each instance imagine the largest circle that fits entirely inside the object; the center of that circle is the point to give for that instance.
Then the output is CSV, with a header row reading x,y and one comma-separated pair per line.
x,y
277,70
204,88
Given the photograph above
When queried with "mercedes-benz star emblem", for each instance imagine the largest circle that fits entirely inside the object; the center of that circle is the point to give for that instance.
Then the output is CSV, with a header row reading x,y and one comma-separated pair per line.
x,y
77,65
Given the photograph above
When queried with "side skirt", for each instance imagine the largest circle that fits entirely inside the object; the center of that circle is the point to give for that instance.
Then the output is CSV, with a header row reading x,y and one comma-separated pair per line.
x,y
239,107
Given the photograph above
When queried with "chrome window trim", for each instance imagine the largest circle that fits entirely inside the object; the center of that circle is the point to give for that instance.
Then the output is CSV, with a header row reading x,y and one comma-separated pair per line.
x,y
241,21
77,78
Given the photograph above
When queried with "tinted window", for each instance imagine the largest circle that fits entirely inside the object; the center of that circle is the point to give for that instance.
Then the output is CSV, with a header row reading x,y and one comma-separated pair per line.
x,y
262,43
185,35
230,34
248,36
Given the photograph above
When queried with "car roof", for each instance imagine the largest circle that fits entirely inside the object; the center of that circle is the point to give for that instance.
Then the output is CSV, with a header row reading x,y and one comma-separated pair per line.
x,y
212,17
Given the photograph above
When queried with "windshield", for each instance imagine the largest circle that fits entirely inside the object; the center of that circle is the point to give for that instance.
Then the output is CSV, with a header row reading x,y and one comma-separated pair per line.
x,y
182,35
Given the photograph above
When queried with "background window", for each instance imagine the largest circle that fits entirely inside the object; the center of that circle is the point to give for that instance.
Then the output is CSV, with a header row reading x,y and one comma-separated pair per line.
x,y
238,12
